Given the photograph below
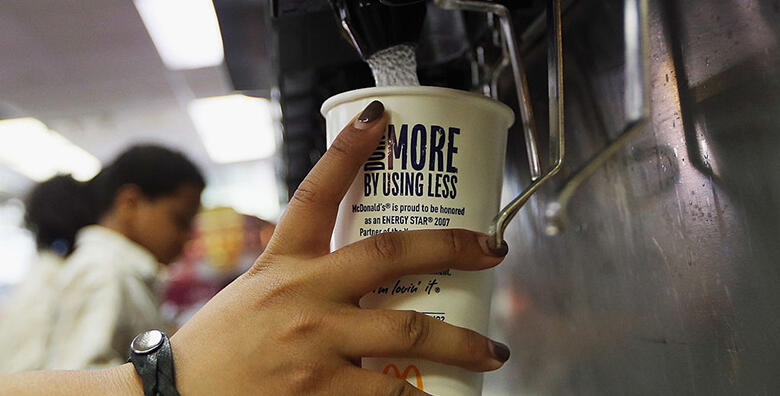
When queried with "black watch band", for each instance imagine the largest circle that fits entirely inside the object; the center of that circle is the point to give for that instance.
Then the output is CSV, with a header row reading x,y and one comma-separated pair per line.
x,y
152,357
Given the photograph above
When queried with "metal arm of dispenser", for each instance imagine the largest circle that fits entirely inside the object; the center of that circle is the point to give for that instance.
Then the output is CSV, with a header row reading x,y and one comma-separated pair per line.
x,y
557,144
521,83
555,98
637,110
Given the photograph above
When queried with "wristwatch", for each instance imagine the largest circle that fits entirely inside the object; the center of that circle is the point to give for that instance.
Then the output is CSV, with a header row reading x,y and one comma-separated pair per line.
x,y
152,357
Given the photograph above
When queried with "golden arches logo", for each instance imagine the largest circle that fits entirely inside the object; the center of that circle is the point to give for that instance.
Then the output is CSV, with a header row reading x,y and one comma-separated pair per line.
x,y
405,374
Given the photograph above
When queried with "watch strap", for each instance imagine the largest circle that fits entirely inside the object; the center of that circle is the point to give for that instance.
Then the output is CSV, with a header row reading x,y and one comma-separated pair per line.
x,y
154,364
166,377
146,367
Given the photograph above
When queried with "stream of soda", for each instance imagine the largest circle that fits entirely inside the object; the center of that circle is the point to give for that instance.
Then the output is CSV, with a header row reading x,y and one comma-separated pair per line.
x,y
395,66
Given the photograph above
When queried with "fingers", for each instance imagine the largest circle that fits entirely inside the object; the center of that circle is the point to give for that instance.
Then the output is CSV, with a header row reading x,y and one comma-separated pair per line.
x,y
356,381
365,264
308,221
410,334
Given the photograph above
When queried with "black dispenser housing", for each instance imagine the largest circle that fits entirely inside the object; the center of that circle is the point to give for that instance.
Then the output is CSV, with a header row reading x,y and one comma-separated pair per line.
x,y
372,25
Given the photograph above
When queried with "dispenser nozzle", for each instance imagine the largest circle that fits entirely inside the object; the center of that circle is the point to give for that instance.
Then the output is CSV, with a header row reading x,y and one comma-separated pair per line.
x,y
373,25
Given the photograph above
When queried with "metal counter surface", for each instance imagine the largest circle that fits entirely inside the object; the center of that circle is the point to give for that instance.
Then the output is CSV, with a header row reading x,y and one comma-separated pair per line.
x,y
667,279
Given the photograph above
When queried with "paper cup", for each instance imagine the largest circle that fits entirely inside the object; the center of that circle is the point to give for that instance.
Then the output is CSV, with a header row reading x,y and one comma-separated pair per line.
x,y
439,165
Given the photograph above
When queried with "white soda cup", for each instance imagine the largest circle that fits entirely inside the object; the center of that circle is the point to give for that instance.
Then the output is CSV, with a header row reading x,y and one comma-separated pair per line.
x,y
440,165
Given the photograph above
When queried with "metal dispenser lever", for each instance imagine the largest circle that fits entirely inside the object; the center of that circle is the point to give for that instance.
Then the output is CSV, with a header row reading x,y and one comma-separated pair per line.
x,y
521,83
637,110
555,97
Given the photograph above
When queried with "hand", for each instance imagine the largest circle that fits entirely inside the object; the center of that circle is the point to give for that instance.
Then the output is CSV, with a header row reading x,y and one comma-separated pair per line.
x,y
291,325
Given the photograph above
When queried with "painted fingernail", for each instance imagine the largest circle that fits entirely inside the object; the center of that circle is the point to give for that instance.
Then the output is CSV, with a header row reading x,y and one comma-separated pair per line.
x,y
371,113
498,251
500,351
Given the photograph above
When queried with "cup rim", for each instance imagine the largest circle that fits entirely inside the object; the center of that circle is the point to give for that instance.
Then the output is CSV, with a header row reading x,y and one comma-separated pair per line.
x,y
379,92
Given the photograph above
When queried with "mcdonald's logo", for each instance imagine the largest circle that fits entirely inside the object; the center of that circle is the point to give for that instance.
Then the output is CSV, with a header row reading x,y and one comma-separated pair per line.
x,y
405,374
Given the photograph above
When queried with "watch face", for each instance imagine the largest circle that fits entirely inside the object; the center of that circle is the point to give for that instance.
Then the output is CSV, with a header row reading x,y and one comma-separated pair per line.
x,y
147,341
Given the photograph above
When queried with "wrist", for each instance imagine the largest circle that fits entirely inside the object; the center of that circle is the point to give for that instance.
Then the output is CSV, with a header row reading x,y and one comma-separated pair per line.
x,y
127,383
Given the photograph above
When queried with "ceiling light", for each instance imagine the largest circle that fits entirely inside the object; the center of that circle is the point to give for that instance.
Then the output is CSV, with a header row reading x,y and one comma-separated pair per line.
x,y
234,127
185,32
32,149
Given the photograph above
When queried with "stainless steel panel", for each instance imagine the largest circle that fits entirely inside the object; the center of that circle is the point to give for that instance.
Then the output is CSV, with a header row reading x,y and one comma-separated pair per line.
x,y
666,280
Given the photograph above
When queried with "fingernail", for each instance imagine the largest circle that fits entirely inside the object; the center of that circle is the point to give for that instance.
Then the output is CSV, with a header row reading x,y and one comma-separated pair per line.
x,y
371,113
498,251
500,351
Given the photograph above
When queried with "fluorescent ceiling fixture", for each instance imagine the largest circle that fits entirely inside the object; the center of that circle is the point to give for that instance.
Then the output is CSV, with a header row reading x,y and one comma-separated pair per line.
x,y
185,32
32,149
234,127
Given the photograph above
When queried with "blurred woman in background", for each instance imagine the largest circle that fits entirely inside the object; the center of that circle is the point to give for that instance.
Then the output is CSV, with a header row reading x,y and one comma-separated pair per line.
x,y
55,213
140,210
